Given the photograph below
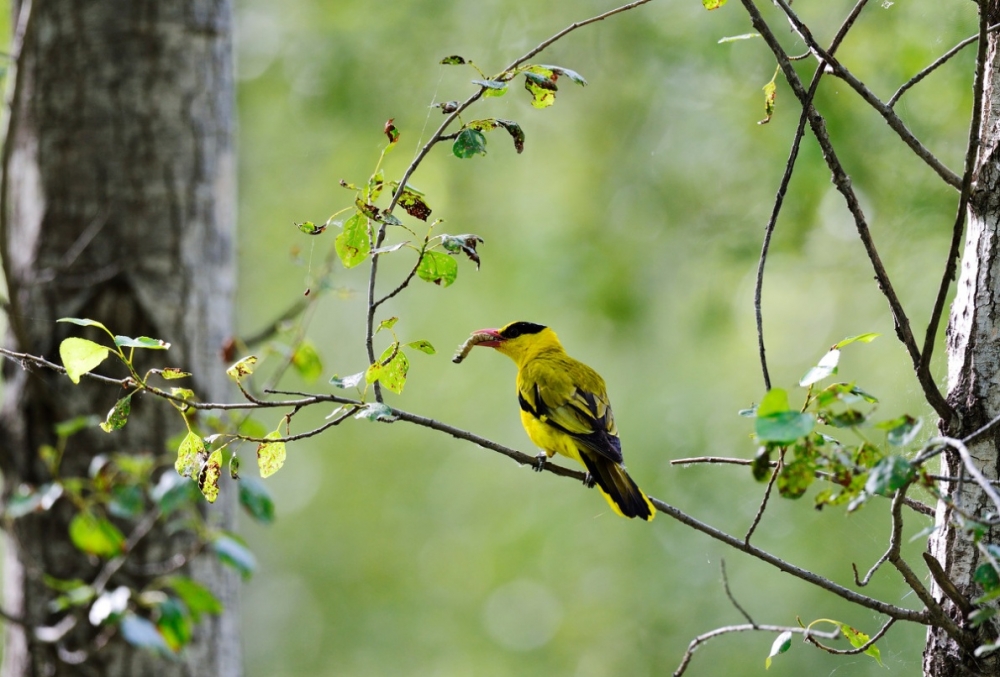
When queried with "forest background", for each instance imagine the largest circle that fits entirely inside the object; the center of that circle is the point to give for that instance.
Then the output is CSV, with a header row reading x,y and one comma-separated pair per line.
x,y
631,224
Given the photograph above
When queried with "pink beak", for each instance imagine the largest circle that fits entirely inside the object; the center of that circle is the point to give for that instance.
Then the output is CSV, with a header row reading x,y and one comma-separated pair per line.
x,y
491,332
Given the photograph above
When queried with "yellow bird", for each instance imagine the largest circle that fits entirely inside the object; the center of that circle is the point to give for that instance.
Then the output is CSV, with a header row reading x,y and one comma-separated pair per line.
x,y
565,410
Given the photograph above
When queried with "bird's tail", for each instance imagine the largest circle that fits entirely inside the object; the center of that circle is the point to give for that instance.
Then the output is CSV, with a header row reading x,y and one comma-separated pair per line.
x,y
621,493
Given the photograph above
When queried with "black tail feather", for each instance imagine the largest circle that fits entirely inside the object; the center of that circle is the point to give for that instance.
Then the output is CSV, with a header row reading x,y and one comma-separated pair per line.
x,y
616,485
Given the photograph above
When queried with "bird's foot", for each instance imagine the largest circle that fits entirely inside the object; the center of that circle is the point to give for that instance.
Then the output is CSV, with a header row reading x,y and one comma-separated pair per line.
x,y
540,460
589,481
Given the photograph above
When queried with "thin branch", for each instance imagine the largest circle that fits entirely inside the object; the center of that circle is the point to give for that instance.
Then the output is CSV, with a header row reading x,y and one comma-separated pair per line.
x,y
947,586
937,615
767,495
871,572
729,594
786,178
970,466
718,632
971,153
852,652
937,63
889,115
843,183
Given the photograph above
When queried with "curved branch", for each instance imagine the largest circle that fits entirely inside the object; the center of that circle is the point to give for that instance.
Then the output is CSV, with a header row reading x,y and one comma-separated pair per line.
x,y
718,632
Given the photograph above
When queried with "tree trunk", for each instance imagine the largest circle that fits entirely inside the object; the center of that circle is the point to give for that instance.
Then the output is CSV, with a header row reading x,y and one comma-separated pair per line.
x,y
973,379
118,205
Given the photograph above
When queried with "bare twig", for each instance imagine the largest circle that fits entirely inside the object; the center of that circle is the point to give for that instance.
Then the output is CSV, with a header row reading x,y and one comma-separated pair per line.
x,y
810,637
862,582
937,63
843,184
779,199
729,594
767,495
970,466
889,115
718,632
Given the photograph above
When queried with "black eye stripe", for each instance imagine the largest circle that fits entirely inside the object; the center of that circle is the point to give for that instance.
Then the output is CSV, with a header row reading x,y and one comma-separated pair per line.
x,y
515,329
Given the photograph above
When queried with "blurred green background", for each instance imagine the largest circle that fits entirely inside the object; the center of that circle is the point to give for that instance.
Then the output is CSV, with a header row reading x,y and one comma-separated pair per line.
x,y
631,224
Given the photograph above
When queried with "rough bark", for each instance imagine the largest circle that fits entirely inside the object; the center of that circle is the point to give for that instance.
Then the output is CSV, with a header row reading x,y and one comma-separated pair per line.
x,y
118,205
973,385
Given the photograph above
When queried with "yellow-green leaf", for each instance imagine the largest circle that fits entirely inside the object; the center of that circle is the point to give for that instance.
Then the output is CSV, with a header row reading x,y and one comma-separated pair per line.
x,y
438,268
307,362
712,4
242,368
96,535
118,416
208,478
270,455
190,455
80,356
353,244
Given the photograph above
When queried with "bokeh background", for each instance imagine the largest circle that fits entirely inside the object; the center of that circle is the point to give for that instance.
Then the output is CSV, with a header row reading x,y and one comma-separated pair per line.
x,y
631,224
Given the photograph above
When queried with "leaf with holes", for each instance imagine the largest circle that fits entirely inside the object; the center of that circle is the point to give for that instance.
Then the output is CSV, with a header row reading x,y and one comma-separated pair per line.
x,y
118,416
190,455
353,244
208,476
469,143
242,368
412,200
465,244
141,342
270,455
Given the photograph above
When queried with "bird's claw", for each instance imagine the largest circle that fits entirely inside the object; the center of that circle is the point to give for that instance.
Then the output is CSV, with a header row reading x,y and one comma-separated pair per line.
x,y
540,460
589,481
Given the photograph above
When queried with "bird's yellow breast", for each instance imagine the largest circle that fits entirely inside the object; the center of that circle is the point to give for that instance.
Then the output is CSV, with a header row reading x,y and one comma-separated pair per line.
x,y
549,439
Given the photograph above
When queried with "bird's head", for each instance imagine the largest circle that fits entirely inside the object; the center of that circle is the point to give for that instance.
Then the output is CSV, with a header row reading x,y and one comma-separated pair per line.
x,y
519,340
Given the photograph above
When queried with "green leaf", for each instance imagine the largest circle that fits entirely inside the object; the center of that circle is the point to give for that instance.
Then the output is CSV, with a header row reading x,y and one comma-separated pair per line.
x,y
393,374
127,501
796,476
389,220
491,84
118,416
190,455
174,623
860,338
96,535
713,4
469,143
208,476
387,324
232,551
783,427
559,71
351,381
270,455
141,633
489,124
782,642
80,356
256,499
141,342
412,200
310,228
198,599
858,639
438,268
307,362
377,180
353,244
826,366
761,464
542,89
901,431
242,368
463,243
775,401
376,411
173,373
83,322
69,427
454,60
987,577
770,95
422,345
173,492
888,475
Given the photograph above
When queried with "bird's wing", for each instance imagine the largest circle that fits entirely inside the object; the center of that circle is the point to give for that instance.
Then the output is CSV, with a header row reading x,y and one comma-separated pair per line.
x,y
581,414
